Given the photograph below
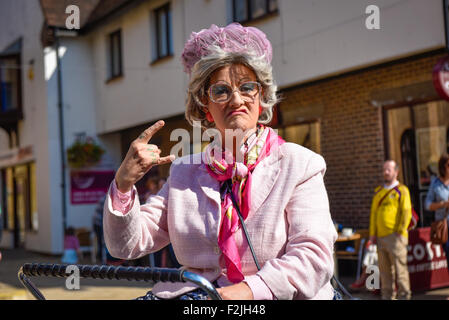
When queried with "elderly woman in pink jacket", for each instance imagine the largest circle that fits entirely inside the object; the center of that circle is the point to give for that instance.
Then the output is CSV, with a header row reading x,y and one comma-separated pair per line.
x,y
276,186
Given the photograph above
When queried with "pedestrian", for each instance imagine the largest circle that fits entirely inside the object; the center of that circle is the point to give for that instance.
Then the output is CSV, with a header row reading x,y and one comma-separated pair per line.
x,y
391,212
369,260
167,255
151,187
438,195
161,183
71,247
97,224
248,169
1,228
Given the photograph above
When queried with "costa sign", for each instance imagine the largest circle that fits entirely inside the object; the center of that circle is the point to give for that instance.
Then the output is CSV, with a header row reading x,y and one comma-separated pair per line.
x,y
427,264
440,77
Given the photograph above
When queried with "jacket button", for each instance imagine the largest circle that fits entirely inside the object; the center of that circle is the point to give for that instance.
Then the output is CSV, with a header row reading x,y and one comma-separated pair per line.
x,y
217,250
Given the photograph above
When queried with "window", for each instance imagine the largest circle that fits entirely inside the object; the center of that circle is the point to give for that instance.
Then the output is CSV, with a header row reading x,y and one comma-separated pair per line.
x,y
246,10
18,199
9,212
115,55
162,33
33,216
304,134
9,83
3,203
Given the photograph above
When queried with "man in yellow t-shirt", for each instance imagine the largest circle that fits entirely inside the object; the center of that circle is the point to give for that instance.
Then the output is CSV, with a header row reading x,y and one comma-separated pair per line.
x,y
391,212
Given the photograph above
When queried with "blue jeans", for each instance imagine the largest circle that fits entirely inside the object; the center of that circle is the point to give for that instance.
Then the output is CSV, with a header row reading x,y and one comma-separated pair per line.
x,y
446,250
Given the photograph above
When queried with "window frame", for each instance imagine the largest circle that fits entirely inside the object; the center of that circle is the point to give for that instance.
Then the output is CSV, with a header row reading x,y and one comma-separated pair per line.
x,y
112,73
156,13
18,107
250,17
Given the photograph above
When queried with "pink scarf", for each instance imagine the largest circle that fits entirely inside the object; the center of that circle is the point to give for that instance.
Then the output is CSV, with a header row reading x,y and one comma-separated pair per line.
x,y
257,147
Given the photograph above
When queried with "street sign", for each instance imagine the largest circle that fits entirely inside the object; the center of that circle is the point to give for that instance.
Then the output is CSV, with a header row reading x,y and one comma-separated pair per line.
x,y
88,187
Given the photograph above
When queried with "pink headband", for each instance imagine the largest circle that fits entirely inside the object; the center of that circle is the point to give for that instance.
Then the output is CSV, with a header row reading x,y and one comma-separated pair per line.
x,y
232,38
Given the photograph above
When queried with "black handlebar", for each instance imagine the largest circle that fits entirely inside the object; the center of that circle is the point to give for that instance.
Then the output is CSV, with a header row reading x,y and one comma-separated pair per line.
x,y
105,272
112,272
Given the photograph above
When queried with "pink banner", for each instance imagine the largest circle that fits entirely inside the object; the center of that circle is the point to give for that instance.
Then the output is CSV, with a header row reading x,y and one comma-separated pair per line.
x,y
88,187
427,264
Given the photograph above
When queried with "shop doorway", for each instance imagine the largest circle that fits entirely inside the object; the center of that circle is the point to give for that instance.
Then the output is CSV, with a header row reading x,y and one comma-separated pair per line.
x,y
416,136
21,187
18,201
409,166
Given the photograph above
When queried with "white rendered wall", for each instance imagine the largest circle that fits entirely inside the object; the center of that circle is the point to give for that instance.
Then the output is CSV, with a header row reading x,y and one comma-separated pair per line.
x,y
40,127
145,92
311,39
79,104
23,18
317,38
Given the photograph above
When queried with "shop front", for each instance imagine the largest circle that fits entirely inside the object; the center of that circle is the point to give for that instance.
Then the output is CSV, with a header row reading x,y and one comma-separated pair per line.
x,y
18,197
417,135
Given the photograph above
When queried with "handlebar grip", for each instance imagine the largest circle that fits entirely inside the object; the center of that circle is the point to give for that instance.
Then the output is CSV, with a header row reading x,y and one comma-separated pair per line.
x,y
113,272
105,272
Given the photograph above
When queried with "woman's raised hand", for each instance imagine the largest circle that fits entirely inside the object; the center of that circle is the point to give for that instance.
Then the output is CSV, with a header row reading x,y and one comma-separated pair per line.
x,y
141,157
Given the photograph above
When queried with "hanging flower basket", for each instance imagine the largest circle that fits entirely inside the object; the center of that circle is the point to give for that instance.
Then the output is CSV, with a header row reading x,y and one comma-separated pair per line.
x,y
84,152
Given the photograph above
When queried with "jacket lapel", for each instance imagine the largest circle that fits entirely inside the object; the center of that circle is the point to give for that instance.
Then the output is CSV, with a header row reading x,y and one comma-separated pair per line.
x,y
209,185
263,178
211,188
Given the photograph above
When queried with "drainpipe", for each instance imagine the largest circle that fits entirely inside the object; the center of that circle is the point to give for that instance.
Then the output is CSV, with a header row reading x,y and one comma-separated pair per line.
x,y
61,132
62,33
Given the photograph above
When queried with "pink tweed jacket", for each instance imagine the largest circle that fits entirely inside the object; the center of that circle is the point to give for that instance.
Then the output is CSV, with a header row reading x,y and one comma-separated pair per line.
x,y
289,225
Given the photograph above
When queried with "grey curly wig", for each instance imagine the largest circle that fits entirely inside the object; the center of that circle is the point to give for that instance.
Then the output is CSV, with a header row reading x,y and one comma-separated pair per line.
x,y
216,59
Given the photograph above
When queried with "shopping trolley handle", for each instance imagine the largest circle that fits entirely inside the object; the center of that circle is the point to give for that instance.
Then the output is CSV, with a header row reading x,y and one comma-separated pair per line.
x,y
112,272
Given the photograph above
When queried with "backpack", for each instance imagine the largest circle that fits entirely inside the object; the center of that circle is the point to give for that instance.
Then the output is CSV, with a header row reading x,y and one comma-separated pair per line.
x,y
414,221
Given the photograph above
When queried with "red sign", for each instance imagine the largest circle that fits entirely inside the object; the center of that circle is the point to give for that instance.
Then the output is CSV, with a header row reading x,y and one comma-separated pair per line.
x,y
89,187
440,77
427,265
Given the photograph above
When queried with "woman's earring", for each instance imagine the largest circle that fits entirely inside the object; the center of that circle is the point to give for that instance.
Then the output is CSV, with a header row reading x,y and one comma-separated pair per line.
x,y
209,117
260,110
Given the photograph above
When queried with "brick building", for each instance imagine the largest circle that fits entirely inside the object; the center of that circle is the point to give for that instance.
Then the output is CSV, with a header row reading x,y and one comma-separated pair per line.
x,y
356,114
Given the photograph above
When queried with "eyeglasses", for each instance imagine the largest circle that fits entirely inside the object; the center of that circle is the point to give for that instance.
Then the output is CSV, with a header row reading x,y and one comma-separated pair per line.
x,y
222,93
